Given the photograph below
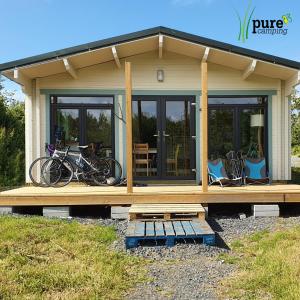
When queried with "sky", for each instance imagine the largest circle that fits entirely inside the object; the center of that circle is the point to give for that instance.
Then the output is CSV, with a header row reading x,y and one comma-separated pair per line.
x,y
30,27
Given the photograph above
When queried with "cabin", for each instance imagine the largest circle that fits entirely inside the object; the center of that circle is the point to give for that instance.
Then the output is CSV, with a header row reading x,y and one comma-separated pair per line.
x,y
185,98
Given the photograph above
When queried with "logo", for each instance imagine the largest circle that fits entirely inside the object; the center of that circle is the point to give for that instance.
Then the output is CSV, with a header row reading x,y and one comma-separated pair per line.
x,y
261,26
245,23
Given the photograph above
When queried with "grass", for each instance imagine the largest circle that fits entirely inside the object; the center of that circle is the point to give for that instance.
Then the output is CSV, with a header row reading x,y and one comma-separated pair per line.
x,y
268,266
54,259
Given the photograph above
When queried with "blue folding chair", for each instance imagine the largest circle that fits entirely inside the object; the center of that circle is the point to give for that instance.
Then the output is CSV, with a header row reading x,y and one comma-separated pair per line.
x,y
255,170
218,174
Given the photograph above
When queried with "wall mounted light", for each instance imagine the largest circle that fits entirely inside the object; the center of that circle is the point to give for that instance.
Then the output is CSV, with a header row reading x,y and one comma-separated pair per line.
x,y
160,75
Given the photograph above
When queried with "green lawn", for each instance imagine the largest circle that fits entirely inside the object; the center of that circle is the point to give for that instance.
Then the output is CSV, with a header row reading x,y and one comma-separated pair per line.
x,y
54,259
268,266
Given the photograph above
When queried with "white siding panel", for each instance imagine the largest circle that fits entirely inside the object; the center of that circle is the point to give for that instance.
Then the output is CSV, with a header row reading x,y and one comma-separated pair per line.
x,y
275,138
43,123
29,135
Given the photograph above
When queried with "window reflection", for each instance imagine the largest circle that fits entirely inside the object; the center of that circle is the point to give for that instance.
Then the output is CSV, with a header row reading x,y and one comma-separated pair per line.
x,y
145,137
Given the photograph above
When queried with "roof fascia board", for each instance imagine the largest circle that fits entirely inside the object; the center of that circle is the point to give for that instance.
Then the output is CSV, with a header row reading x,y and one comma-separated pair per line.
x,y
239,55
149,33
73,55
66,52
229,47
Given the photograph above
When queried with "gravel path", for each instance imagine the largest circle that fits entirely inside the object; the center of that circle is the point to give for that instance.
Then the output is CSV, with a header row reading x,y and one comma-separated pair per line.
x,y
191,271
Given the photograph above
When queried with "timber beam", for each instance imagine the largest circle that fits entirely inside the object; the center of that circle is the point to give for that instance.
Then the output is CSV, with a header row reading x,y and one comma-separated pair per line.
x,y
204,133
128,92
249,70
116,57
69,68
160,45
205,55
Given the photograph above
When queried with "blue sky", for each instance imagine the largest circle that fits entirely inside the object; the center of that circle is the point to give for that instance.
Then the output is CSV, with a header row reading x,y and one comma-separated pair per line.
x,y
31,27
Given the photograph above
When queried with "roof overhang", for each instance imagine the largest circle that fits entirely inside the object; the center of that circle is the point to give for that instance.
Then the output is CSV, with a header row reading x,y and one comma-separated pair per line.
x,y
162,39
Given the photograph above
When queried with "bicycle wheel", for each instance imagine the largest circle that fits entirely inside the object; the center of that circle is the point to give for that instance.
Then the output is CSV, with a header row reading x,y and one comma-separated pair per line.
x,y
99,177
35,171
111,170
57,173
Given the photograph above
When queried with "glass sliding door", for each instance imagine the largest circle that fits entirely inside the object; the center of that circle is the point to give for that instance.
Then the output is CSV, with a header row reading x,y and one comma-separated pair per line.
x,y
163,137
99,129
178,139
67,127
252,133
221,136
237,124
83,120
145,137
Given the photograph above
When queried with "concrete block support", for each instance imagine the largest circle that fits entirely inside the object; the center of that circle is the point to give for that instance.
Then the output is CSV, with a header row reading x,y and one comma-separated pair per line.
x,y
205,206
5,210
120,212
56,211
270,210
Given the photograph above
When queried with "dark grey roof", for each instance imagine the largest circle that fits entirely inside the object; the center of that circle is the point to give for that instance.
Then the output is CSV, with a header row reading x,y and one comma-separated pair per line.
x,y
147,33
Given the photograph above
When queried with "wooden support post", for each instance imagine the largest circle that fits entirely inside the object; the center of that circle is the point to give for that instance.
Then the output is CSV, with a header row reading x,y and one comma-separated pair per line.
x,y
128,87
204,132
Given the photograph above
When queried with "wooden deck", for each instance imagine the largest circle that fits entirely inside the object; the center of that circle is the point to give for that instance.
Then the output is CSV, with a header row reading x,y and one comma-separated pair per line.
x,y
85,195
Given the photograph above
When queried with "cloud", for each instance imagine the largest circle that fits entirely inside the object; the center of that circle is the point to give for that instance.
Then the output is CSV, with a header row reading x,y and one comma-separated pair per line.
x,y
190,2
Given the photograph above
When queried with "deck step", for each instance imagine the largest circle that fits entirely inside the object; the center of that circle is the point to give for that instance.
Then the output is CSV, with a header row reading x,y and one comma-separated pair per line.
x,y
168,232
167,211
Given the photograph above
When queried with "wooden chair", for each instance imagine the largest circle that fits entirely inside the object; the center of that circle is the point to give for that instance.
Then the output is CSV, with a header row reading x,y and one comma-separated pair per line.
x,y
141,156
174,161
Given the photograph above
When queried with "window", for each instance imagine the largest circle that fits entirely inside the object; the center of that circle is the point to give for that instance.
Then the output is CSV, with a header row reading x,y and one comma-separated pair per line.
x,y
237,100
237,124
82,100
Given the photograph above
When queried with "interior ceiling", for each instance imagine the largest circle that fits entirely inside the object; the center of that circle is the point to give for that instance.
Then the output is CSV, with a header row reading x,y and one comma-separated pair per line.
x,y
150,44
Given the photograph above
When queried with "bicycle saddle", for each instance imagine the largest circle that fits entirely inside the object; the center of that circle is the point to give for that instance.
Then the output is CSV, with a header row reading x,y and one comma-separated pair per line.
x,y
83,147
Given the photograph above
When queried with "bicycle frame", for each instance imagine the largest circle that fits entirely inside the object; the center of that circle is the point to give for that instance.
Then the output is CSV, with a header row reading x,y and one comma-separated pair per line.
x,y
79,163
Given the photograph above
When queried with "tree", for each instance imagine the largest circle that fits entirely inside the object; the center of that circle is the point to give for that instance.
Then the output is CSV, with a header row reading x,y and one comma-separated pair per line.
x,y
295,123
12,140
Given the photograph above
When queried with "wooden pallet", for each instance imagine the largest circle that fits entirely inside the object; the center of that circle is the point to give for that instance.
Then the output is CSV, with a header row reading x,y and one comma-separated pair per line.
x,y
167,211
168,232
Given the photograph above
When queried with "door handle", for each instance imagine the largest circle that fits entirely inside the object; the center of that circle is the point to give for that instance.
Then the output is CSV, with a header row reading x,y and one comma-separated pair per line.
x,y
165,134
157,135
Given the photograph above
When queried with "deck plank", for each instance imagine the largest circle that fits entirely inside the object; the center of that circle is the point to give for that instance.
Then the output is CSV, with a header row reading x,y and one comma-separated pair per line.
x,y
130,229
150,228
188,228
159,228
178,228
139,228
169,228
201,227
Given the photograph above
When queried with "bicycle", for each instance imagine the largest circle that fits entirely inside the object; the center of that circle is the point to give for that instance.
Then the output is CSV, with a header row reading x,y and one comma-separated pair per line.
x,y
36,166
114,173
235,166
59,171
